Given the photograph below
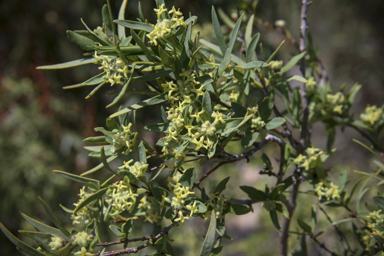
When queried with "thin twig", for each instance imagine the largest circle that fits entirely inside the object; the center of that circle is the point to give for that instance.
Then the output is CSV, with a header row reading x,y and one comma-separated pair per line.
x,y
282,144
138,248
303,66
367,136
144,238
304,138
233,158
340,234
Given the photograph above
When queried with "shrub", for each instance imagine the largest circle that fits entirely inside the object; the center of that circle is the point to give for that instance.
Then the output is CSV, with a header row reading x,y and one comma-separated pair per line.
x,y
213,99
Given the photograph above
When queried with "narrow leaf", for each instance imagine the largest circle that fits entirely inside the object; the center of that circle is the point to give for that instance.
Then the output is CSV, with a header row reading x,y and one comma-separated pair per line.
x,y
23,246
120,28
218,32
99,166
152,101
274,123
76,177
54,219
292,62
69,64
252,47
210,238
90,199
43,227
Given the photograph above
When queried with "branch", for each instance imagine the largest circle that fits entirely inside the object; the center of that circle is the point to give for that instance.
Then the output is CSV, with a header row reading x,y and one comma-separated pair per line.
x,y
282,144
233,158
138,248
367,136
303,89
341,236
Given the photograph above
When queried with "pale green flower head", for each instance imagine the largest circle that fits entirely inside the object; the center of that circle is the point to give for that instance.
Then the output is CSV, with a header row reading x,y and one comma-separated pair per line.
x,y
372,115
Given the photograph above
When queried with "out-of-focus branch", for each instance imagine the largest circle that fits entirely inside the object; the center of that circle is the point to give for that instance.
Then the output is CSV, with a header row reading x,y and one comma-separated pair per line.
x,y
304,137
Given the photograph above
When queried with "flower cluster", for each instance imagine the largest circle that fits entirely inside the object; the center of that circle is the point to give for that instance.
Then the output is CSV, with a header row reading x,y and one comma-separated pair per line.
x,y
123,196
309,160
138,169
336,102
82,238
56,243
372,115
114,67
164,27
126,138
83,213
332,191
178,201
151,207
216,203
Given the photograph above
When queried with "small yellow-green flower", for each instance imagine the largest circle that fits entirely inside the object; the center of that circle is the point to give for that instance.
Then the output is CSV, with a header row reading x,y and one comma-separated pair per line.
x,y
372,115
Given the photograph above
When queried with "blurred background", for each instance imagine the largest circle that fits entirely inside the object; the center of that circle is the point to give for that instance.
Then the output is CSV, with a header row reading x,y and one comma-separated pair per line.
x,y
42,125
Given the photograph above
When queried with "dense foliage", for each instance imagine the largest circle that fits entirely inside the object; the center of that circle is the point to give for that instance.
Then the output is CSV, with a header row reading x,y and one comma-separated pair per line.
x,y
211,99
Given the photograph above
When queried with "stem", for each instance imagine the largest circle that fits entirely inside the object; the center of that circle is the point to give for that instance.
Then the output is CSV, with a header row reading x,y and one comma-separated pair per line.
x,y
138,248
304,137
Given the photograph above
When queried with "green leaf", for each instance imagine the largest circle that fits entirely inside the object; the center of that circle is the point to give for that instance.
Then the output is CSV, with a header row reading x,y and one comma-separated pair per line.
x,y
169,249
23,246
142,153
218,33
53,218
39,237
140,43
120,28
153,76
266,106
221,186
297,78
134,25
275,220
292,62
379,200
103,41
275,52
148,102
104,161
69,64
76,177
249,138
99,194
210,237
254,194
207,103
84,42
92,81
274,123
127,226
116,230
227,20
227,57
304,226
162,127
158,173
188,178
96,140
43,227
106,18
255,64
122,91
239,209
165,58
99,166
248,36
